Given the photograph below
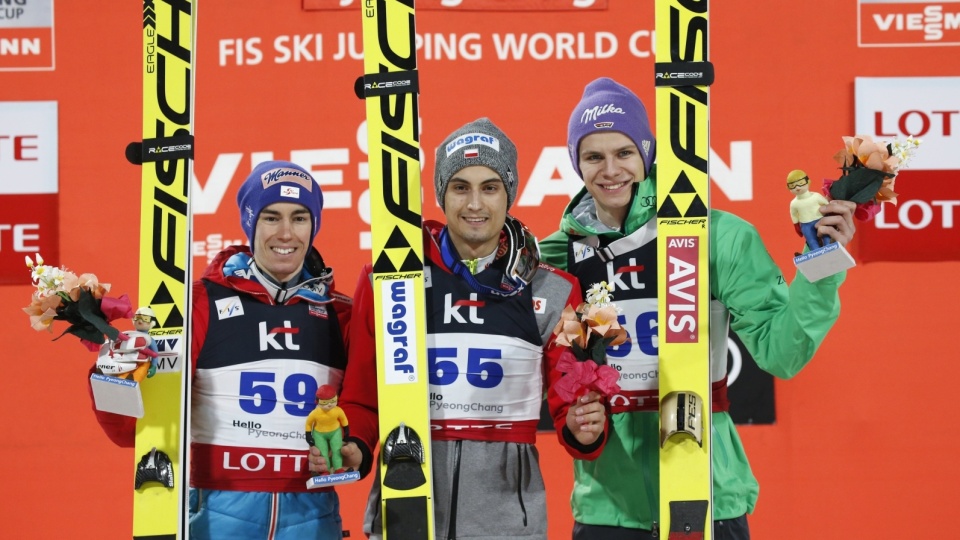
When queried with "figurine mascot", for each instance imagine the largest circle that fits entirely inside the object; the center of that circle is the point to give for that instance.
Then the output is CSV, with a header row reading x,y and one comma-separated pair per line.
x,y
143,321
327,426
134,354
805,208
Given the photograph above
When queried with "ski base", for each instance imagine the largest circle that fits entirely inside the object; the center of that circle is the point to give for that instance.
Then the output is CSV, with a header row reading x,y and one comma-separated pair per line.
x,y
688,520
406,518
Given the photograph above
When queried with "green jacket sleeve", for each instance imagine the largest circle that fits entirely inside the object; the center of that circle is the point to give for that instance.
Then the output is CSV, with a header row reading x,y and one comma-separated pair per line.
x,y
782,326
553,250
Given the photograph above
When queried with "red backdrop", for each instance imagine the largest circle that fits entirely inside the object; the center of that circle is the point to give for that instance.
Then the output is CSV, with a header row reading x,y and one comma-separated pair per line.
x,y
860,447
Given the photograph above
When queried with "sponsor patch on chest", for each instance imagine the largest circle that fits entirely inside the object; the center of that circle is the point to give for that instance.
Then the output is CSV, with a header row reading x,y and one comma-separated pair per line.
x,y
229,307
582,252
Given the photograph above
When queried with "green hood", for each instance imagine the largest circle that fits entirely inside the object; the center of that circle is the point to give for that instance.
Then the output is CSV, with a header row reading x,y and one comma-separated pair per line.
x,y
586,225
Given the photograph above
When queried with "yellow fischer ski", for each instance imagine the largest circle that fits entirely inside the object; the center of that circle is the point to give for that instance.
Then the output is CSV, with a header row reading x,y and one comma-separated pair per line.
x,y
390,88
683,76
165,156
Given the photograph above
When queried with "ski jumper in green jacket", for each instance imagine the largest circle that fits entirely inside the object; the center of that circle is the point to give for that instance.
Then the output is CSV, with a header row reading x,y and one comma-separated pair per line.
x,y
781,325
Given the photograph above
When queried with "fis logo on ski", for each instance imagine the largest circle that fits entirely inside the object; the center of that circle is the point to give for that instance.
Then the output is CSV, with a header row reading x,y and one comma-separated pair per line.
x,y
399,341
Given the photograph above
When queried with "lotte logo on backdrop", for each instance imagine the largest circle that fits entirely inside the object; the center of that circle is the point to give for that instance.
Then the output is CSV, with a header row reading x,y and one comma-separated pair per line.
x,y
897,24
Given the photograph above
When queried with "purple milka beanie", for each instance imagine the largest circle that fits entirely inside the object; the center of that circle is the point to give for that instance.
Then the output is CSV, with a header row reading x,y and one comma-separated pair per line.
x,y
608,105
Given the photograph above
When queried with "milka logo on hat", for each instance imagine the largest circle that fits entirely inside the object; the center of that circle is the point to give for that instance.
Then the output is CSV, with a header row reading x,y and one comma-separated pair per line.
x,y
591,114
286,175
473,138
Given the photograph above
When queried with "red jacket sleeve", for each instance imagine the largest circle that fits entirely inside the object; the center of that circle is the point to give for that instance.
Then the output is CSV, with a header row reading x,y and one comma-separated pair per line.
x,y
557,406
358,398
122,429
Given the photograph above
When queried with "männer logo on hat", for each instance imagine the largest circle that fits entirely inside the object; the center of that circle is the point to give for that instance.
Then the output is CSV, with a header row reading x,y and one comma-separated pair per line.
x,y
284,174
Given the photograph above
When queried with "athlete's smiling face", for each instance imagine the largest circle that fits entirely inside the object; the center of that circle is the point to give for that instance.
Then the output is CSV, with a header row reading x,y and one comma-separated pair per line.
x,y
610,163
282,239
475,205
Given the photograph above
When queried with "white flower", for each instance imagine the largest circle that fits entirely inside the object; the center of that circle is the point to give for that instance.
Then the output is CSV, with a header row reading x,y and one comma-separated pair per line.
x,y
904,151
599,294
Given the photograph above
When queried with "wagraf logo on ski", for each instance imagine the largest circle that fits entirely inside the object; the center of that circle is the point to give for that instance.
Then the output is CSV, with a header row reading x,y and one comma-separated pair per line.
x,y
399,354
683,278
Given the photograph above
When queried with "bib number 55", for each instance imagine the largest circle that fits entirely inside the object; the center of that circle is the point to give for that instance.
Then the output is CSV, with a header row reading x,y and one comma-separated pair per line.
x,y
481,370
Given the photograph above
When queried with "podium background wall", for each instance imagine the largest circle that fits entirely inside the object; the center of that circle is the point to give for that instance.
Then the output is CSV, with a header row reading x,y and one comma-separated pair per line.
x,y
861,444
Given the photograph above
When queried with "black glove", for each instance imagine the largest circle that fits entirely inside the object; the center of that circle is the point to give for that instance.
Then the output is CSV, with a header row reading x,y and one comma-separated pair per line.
x,y
309,437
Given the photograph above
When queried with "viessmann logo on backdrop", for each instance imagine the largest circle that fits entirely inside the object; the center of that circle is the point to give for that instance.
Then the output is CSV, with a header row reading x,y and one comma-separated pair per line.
x,y
908,23
26,35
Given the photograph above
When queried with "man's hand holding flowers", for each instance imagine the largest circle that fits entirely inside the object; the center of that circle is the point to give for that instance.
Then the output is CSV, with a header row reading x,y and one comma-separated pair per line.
x,y
587,331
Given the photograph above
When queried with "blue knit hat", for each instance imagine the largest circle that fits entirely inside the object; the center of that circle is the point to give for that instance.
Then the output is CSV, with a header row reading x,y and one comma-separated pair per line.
x,y
607,105
273,182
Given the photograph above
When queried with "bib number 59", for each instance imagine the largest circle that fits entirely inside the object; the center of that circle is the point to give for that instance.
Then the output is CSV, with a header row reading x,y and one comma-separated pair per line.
x,y
258,393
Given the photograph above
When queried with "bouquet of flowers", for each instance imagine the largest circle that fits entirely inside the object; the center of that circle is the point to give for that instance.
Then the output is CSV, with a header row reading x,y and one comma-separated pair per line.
x,y
587,331
869,170
79,300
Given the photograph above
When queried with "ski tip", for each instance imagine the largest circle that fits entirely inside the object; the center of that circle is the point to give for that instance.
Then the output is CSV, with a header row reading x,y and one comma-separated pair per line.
x,y
134,153
358,88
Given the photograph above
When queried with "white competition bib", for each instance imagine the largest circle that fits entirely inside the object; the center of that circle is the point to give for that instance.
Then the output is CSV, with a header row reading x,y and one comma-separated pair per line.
x,y
260,404
637,360
484,377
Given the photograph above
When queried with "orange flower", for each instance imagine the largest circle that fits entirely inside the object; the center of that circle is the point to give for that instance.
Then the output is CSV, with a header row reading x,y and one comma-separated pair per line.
x,y
569,330
864,150
603,321
886,193
42,311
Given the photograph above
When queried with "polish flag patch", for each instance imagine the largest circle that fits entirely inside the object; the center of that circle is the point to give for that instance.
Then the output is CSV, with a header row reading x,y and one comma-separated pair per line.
x,y
471,153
